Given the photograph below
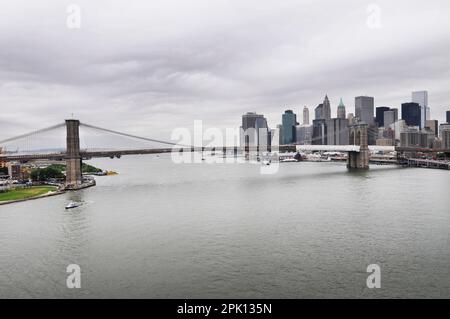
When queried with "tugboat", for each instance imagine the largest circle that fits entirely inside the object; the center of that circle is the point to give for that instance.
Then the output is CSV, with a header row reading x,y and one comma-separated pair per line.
x,y
72,205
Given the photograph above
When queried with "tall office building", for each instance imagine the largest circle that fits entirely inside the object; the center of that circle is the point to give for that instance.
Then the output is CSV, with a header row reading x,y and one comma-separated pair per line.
x,y
319,136
379,115
289,122
421,98
337,132
304,134
254,130
412,114
318,112
364,109
390,117
341,110
305,115
433,125
448,117
326,108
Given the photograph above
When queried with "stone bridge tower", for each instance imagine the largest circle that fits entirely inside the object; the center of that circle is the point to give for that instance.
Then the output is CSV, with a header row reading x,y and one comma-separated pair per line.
x,y
358,136
73,157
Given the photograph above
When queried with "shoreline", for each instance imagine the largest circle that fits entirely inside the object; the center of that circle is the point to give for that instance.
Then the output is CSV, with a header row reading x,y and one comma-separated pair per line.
x,y
50,194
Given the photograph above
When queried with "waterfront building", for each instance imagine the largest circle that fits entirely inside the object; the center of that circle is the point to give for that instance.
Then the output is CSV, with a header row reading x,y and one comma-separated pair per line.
x,y
318,112
442,127
289,122
411,114
15,171
390,117
2,164
341,110
337,131
421,98
445,137
319,132
413,137
379,115
254,130
326,108
385,142
434,126
364,109
304,134
305,115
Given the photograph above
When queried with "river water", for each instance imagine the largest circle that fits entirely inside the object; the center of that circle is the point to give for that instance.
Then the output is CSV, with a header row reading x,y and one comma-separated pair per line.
x,y
166,230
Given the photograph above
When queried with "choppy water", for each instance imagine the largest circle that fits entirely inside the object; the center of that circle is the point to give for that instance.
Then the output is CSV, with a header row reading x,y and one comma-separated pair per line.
x,y
202,231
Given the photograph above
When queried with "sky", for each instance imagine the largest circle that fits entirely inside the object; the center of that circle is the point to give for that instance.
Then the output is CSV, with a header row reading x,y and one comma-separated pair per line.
x,y
148,67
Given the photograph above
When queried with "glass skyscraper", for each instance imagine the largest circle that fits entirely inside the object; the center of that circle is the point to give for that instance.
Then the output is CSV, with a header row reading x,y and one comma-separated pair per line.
x,y
289,123
421,98
412,114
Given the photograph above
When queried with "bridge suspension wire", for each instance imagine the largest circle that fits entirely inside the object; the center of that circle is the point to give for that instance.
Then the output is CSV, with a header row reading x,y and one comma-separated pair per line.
x,y
32,133
132,136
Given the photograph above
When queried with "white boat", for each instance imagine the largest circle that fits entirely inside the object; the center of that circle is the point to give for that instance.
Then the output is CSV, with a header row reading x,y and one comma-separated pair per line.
x,y
72,205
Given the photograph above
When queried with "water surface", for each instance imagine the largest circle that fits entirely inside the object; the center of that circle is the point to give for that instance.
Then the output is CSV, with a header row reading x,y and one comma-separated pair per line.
x,y
161,230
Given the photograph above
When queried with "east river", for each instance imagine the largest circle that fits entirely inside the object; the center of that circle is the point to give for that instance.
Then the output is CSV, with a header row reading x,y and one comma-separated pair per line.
x,y
166,230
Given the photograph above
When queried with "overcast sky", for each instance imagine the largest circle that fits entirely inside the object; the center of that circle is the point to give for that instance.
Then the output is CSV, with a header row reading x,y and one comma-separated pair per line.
x,y
147,67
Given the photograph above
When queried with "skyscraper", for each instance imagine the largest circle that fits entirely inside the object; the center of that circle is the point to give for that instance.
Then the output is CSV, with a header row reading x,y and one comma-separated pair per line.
x,y
305,115
433,125
319,112
448,117
326,108
411,113
254,130
289,120
337,131
390,117
380,115
319,136
341,110
421,98
364,109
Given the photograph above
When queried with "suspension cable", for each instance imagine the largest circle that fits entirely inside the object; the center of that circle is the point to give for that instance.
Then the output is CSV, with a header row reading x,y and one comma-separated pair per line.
x,y
32,133
132,136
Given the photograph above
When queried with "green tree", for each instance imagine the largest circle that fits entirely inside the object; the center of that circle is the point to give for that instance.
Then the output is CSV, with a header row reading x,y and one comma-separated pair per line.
x,y
44,174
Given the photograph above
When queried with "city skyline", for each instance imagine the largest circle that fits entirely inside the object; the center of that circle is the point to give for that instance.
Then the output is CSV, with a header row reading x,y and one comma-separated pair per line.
x,y
177,75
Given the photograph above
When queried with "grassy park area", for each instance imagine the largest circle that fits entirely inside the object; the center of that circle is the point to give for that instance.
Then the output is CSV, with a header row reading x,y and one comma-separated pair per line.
x,y
25,193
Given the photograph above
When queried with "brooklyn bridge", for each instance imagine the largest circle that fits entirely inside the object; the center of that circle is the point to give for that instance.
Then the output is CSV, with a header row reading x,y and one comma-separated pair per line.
x,y
73,155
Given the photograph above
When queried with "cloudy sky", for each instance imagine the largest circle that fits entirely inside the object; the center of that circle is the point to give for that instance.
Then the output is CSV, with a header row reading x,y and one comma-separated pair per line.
x,y
147,67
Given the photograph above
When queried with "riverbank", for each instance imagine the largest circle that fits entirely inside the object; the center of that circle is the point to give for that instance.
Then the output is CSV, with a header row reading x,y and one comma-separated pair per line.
x,y
24,194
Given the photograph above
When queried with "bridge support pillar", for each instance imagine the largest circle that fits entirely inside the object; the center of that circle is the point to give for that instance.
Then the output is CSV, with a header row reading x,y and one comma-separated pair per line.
x,y
358,136
74,176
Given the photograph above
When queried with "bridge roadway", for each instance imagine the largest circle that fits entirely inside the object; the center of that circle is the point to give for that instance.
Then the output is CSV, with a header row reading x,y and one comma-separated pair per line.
x,y
283,148
85,155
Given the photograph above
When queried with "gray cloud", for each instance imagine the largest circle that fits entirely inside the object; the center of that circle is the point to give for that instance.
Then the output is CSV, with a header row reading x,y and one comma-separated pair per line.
x,y
149,66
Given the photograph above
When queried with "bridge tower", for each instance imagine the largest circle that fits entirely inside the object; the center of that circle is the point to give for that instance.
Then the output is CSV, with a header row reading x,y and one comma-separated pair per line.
x,y
73,157
358,136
